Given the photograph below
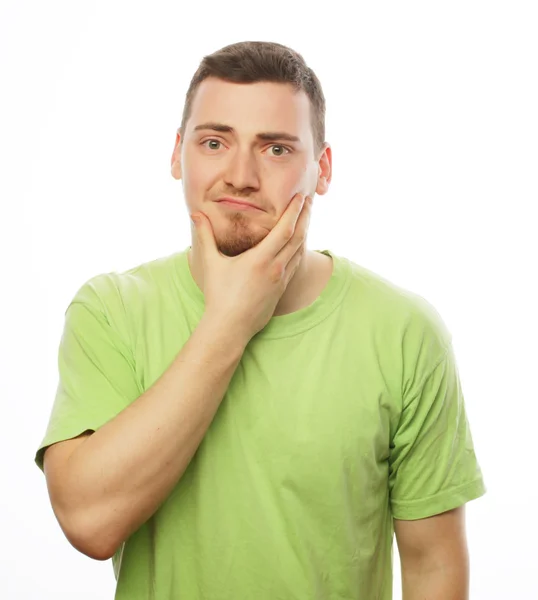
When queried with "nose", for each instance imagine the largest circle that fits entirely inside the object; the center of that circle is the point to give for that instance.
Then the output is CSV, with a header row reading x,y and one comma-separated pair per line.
x,y
242,170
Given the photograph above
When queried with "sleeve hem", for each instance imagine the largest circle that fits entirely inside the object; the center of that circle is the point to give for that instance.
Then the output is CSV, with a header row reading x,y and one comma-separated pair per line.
x,y
58,437
442,502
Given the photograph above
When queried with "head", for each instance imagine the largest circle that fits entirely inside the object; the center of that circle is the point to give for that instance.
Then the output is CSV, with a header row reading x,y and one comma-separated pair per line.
x,y
237,93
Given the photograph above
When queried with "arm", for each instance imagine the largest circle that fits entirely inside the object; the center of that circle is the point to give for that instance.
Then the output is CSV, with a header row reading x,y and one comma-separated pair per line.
x,y
434,557
118,477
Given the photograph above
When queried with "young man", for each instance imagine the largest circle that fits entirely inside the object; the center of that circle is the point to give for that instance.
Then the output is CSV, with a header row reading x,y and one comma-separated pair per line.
x,y
247,418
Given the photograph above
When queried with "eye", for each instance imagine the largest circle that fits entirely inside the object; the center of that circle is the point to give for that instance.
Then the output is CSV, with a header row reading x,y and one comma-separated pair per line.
x,y
288,150
283,147
210,140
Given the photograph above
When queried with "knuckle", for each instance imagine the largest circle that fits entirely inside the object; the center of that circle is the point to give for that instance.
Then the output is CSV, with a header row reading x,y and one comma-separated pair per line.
x,y
288,231
277,272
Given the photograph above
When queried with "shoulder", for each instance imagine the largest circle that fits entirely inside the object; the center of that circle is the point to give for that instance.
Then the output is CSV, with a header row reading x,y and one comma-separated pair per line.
x,y
113,291
403,311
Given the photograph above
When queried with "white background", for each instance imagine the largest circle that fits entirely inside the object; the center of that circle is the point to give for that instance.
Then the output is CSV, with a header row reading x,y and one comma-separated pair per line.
x,y
432,119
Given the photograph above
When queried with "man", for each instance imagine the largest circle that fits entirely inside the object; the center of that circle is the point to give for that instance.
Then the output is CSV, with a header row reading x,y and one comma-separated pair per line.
x,y
248,418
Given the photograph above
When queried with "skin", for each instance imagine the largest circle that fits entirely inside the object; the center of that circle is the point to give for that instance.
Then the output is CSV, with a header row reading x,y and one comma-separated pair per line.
x,y
212,164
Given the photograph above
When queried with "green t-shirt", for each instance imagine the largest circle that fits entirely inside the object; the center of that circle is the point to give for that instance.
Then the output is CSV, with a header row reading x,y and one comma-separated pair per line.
x,y
339,417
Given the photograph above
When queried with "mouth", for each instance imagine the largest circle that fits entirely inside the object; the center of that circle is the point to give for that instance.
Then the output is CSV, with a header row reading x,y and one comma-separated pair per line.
x,y
237,204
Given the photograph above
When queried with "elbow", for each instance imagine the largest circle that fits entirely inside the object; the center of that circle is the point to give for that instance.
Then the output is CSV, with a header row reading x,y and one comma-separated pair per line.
x,y
88,539
92,551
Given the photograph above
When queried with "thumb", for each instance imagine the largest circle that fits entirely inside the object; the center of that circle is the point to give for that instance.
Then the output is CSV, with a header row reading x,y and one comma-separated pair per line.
x,y
204,231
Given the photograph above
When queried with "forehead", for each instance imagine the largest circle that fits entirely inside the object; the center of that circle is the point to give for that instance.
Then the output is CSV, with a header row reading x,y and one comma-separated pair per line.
x,y
252,107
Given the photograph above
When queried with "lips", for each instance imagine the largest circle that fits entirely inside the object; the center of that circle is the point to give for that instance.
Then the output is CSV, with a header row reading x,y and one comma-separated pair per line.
x,y
230,200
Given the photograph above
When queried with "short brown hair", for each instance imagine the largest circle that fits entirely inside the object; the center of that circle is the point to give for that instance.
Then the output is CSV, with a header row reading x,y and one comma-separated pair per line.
x,y
250,62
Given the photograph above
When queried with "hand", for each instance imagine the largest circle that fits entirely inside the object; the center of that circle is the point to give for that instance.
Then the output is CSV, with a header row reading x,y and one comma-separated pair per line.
x,y
245,289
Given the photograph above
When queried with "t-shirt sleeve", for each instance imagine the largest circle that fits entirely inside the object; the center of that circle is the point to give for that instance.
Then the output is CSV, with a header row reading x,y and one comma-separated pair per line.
x,y
433,466
97,376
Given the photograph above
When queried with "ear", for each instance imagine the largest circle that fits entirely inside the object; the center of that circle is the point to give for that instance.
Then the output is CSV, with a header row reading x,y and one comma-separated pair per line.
x,y
324,171
176,158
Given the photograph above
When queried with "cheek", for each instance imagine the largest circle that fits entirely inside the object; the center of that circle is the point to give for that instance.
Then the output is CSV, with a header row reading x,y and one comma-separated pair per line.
x,y
294,182
195,177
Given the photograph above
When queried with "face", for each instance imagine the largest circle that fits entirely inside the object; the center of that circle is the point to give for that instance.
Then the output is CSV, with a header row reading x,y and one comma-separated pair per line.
x,y
237,163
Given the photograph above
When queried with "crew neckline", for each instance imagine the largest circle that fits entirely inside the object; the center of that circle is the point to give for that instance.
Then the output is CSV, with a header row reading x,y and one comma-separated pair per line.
x,y
283,325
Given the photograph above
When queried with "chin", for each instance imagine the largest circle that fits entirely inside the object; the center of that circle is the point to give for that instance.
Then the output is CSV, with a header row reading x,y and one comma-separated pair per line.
x,y
230,245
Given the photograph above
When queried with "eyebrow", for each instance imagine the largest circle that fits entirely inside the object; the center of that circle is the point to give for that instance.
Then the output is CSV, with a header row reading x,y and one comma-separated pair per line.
x,y
269,136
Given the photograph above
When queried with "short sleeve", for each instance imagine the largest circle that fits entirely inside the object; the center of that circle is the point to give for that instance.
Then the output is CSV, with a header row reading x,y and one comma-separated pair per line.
x,y
432,466
97,376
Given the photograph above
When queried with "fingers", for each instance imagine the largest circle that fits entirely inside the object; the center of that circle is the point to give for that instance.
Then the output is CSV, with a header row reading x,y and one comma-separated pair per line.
x,y
296,243
204,232
283,231
293,263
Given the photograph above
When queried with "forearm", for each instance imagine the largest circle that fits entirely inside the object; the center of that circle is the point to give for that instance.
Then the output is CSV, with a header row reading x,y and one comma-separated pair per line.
x,y
125,470
428,579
